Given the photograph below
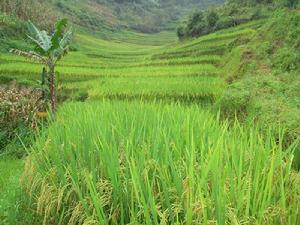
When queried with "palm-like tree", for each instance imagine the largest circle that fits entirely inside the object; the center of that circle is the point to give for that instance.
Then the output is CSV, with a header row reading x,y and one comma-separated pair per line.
x,y
48,50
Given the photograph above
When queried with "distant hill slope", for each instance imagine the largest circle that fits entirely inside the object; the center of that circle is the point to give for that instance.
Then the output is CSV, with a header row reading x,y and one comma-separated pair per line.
x,y
142,15
106,18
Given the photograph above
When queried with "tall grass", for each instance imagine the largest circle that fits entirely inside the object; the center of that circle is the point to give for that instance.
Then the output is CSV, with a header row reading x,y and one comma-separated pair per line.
x,y
134,163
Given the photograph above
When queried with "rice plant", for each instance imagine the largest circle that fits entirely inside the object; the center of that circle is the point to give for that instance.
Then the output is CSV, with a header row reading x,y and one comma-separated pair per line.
x,y
135,163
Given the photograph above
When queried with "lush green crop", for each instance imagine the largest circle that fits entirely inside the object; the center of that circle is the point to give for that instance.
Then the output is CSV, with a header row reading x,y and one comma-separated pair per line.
x,y
190,89
121,163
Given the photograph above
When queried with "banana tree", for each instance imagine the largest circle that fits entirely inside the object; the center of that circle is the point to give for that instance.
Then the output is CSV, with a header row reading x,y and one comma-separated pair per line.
x,y
48,50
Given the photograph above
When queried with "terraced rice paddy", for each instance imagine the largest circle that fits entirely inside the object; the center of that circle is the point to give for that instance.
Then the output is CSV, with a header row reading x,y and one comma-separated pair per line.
x,y
136,153
139,66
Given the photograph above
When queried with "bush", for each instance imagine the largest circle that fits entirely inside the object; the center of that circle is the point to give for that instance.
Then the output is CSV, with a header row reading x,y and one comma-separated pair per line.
x,y
181,31
18,115
196,25
225,22
212,18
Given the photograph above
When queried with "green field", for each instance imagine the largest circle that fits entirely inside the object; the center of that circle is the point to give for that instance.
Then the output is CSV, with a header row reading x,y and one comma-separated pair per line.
x,y
147,144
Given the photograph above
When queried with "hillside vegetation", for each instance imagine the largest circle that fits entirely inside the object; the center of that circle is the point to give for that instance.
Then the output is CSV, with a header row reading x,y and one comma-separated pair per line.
x,y
152,130
265,84
230,14
141,15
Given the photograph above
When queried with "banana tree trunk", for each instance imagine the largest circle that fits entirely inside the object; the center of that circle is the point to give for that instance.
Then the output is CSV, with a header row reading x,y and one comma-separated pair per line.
x,y
52,87
44,74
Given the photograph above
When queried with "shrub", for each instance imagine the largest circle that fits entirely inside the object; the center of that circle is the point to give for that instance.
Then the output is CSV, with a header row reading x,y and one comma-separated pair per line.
x,y
225,22
181,31
212,18
196,25
18,114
